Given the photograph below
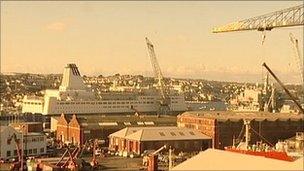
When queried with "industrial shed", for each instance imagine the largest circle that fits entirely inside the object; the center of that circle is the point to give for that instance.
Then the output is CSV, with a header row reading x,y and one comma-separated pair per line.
x,y
222,126
78,129
139,139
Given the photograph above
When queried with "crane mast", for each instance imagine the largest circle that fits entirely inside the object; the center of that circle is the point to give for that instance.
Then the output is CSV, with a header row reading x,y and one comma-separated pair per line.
x,y
299,60
19,164
164,93
284,88
288,17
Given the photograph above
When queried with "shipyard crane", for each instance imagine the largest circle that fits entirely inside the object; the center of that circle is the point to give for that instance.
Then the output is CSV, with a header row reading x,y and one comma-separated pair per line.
x,y
94,162
152,159
293,16
16,165
163,89
298,58
289,17
285,89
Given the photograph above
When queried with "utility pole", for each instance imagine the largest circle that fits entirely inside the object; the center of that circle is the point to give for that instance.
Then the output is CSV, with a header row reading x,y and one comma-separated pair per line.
x,y
22,148
170,158
247,136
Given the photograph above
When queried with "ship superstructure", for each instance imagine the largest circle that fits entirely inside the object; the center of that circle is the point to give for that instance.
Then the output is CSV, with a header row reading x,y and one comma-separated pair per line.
x,y
75,98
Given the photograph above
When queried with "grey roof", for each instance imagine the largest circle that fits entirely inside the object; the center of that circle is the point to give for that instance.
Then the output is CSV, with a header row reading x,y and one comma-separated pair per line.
x,y
238,116
125,132
159,134
98,122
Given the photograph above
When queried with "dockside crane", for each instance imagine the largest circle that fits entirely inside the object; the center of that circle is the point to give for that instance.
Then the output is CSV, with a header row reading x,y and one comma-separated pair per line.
x,y
285,89
299,59
16,165
164,102
288,17
152,159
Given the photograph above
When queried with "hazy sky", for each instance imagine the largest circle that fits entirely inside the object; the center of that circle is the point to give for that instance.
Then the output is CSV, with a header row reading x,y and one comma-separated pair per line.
x,y
109,37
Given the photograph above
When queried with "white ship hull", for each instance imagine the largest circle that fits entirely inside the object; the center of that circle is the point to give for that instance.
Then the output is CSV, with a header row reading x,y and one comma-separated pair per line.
x,y
144,104
74,98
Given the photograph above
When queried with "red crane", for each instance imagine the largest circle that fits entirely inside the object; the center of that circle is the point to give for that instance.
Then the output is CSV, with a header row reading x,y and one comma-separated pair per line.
x,y
16,165
94,162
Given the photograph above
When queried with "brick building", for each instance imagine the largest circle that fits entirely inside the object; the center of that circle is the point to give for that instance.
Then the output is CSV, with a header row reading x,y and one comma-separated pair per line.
x,y
222,126
139,139
78,129
62,132
28,126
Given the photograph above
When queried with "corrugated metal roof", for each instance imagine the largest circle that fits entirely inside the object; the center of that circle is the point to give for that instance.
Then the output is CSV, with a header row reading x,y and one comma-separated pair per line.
x,y
235,116
124,132
213,159
159,134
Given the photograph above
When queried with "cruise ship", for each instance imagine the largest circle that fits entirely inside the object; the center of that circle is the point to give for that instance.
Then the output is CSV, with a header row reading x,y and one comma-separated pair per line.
x,y
73,97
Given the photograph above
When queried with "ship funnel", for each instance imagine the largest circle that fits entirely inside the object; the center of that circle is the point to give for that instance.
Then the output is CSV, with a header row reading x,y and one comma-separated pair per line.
x,y
71,79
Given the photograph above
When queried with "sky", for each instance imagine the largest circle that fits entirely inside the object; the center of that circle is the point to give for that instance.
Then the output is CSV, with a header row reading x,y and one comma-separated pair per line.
x,y
105,38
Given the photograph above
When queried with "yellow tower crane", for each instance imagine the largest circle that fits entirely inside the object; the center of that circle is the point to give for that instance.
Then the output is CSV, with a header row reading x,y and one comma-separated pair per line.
x,y
288,17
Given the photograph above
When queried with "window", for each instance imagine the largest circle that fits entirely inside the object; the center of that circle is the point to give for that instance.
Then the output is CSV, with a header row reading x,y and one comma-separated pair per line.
x,y
127,123
140,123
161,134
181,133
192,133
30,151
41,150
8,153
172,133
35,150
15,152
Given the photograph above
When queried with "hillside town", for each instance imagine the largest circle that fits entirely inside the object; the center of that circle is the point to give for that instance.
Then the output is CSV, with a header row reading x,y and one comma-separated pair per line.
x,y
78,122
